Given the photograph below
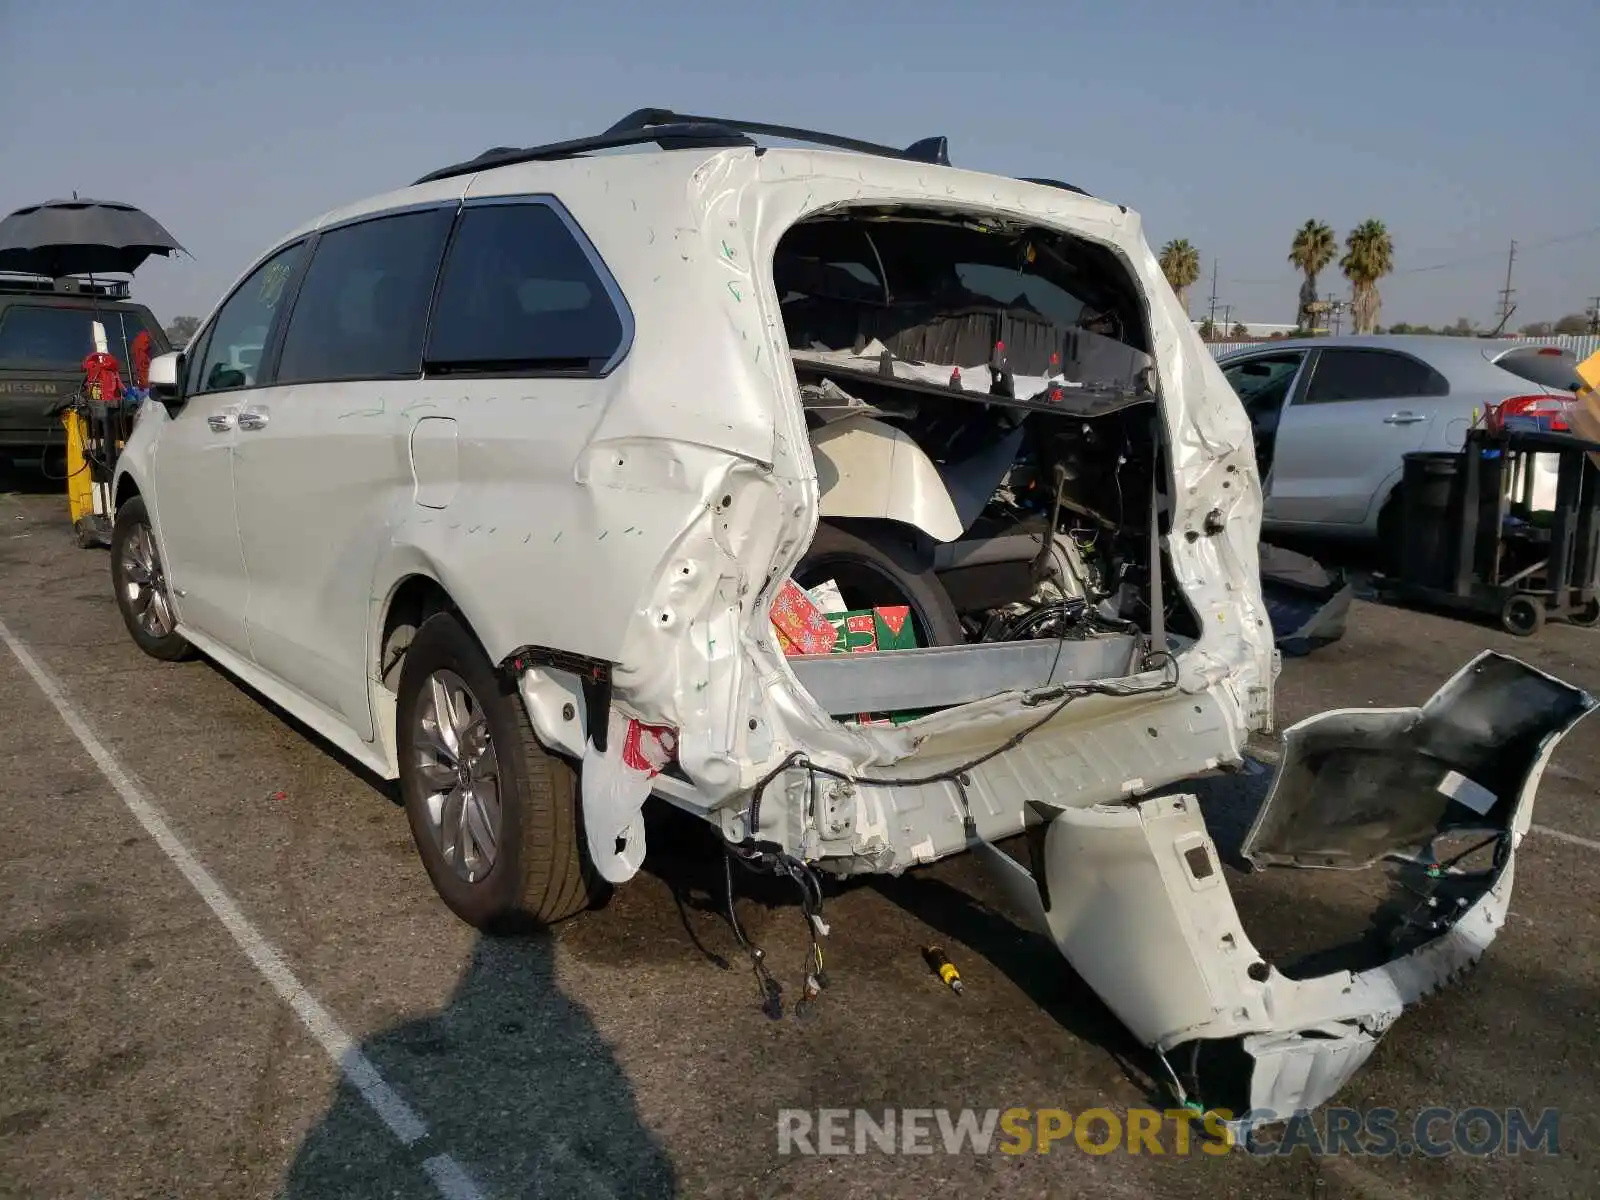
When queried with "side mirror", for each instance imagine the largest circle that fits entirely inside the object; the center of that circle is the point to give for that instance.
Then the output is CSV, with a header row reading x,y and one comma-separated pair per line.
x,y
166,373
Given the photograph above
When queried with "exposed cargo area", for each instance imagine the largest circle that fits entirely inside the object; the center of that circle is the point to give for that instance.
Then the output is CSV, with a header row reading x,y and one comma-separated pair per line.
x,y
983,417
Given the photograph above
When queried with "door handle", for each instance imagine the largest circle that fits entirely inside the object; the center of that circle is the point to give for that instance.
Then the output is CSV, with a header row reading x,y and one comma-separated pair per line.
x,y
220,422
1399,418
253,418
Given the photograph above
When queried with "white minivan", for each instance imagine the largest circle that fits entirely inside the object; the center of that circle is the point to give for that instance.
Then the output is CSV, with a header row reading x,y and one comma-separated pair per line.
x,y
562,473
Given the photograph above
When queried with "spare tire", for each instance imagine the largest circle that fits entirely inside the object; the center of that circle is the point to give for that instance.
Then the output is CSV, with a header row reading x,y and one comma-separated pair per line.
x,y
878,564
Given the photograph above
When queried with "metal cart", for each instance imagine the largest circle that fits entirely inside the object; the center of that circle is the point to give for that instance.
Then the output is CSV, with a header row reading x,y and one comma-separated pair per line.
x,y
1473,539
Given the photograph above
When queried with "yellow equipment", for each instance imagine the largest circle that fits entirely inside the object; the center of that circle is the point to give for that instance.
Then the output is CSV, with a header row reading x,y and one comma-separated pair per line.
x,y
85,498
94,439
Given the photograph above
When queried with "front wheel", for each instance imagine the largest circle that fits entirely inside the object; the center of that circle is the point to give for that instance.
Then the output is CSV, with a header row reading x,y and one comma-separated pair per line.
x,y
139,578
497,820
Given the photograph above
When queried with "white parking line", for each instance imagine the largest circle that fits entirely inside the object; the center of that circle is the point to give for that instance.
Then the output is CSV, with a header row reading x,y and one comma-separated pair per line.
x,y
1267,755
446,1173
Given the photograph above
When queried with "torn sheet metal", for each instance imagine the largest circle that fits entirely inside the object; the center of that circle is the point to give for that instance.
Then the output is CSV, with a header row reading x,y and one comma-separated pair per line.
x,y
645,519
1134,896
616,783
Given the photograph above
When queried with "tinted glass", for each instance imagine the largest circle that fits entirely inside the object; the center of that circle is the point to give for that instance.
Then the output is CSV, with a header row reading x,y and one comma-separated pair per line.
x,y
61,338
1538,365
193,357
363,307
1262,382
1371,375
233,350
1010,287
519,293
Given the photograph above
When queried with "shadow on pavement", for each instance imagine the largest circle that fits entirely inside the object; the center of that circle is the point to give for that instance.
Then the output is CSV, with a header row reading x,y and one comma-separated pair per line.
x,y
1033,963
32,477
513,1082
1030,961
388,788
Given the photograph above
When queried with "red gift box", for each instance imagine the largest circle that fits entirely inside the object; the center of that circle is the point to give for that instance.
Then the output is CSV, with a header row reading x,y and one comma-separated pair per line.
x,y
800,622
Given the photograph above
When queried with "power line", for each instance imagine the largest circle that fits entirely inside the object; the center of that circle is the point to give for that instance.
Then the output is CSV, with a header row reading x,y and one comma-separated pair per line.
x,y
1465,260
1477,258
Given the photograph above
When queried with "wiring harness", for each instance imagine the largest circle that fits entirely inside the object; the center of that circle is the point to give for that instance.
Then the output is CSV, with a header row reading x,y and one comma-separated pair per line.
x,y
770,858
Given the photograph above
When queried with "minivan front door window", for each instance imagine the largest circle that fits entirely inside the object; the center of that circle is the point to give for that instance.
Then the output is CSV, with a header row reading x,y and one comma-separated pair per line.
x,y
233,351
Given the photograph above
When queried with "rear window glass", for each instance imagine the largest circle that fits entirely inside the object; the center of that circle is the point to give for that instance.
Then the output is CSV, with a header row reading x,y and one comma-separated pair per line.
x,y
60,338
1537,365
1010,287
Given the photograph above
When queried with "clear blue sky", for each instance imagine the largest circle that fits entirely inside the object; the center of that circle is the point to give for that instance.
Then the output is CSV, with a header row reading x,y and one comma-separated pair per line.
x,y
1460,124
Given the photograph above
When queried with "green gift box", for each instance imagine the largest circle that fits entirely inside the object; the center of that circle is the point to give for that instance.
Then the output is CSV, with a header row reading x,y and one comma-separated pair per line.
x,y
868,631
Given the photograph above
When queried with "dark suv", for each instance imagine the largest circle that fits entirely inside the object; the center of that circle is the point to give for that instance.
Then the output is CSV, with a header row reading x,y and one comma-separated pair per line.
x,y
46,330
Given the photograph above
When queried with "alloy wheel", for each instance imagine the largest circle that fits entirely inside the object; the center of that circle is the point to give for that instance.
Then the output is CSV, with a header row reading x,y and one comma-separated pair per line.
x,y
145,583
460,774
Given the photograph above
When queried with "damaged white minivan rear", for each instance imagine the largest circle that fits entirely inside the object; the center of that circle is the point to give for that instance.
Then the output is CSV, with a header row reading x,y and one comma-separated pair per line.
x,y
870,509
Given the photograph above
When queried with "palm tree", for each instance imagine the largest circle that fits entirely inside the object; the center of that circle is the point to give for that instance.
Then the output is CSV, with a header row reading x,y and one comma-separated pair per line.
x,y
1368,257
1180,263
1314,247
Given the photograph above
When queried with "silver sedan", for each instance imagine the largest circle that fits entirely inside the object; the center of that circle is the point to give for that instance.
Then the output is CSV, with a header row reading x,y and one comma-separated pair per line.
x,y
1335,416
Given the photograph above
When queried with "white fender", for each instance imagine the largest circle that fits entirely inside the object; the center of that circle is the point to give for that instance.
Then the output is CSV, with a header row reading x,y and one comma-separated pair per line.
x,y
869,468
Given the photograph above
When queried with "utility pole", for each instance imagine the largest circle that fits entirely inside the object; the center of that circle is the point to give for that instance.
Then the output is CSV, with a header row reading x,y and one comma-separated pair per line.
x,y
1211,314
1508,291
1594,314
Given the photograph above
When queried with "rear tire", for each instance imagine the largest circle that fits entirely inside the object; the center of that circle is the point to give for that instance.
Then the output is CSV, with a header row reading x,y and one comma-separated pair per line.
x,y
486,772
1586,617
882,571
138,578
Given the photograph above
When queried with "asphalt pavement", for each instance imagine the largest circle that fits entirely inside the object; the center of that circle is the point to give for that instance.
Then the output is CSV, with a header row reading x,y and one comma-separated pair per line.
x,y
223,971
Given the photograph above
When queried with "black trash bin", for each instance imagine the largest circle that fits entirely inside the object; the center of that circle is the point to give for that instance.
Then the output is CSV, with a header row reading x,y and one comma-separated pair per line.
x,y
1427,530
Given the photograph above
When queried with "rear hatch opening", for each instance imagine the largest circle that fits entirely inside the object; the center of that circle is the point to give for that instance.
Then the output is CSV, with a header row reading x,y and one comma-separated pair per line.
x,y
983,416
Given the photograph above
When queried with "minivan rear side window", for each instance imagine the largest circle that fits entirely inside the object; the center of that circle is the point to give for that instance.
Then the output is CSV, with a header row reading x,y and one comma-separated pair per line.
x,y
362,310
522,294
1547,366
1345,375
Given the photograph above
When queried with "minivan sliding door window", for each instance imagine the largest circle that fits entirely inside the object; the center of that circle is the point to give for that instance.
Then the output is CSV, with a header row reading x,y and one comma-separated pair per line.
x,y
362,310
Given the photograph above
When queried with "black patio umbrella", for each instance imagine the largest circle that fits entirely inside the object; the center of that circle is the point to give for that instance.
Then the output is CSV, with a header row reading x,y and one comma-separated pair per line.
x,y
80,237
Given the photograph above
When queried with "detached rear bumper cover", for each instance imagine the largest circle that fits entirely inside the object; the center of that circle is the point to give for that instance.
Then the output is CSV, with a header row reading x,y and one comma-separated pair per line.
x,y
1134,895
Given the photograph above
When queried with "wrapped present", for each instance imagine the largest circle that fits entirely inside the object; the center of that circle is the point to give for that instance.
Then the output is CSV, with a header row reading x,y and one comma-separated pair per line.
x,y
866,631
802,627
799,621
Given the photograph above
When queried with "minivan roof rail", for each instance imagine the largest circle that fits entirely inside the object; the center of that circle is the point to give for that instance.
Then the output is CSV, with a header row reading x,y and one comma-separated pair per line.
x,y
679,131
